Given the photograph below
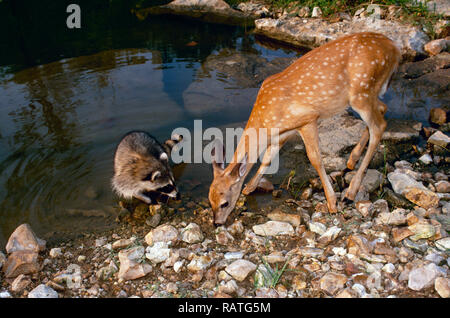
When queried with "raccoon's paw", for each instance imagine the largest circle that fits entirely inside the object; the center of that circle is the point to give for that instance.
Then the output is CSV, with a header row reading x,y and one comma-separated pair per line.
x,y
143,197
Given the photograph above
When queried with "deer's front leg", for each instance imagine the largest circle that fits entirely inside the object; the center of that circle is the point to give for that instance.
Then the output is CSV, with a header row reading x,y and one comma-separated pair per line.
x,y
310,136
268,156
271,152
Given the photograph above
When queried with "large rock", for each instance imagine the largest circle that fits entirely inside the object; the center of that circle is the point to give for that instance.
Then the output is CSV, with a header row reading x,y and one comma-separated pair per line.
x,y
437,46
273,228
163,233
43,291
442,286
192,234
315,32
439,139
158,252
396,217
413,190
213,11
240,269
131,266
200,263
21,262
423,277
24,239
332,282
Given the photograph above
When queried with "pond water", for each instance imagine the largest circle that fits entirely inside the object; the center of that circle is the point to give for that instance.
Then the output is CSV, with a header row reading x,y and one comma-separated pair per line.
x,y
61,121
66,99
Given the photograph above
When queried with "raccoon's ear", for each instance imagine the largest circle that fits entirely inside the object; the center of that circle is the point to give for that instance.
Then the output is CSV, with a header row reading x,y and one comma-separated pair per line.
x,y
155,175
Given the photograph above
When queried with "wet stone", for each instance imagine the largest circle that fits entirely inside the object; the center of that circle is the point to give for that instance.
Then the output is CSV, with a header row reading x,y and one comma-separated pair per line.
x,y
24,239
21,262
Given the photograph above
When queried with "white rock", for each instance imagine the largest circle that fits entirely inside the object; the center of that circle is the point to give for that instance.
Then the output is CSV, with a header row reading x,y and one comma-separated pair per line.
x,y
388,268
443,244
43,291
435,258
316,12
442,286
339,251
330,235
426,159
439,139
396,217
157,253
423,277
199,263
178,265
5,294
163,233
360,290
131,265
55,252
192,234
273,228
317,227
234,255
239,269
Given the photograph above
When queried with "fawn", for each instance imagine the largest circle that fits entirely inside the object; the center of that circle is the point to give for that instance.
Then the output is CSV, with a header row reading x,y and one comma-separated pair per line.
x,y
353,70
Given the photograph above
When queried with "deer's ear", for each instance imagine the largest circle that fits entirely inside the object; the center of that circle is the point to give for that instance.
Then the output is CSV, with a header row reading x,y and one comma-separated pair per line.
x,y
243,166
240,169
217,157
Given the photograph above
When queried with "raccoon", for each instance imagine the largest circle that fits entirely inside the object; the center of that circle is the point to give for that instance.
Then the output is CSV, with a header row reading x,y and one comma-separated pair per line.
x,y
141,166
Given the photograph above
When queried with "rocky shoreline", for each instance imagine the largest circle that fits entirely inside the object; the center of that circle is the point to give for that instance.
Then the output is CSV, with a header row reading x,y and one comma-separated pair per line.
x,y
391,242
299,26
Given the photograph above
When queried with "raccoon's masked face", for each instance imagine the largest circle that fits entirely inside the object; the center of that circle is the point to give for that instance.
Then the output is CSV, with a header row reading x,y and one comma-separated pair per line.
x,y
159,178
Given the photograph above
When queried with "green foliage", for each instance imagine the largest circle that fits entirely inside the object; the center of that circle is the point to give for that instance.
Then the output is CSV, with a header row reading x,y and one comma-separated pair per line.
x,y
271,276
411,11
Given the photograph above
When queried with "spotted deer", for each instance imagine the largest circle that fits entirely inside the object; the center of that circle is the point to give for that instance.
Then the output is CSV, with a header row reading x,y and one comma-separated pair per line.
x,y
353,70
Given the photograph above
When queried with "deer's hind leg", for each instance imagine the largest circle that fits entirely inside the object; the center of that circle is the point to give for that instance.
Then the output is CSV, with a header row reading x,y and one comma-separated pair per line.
x,y
359,148
372,112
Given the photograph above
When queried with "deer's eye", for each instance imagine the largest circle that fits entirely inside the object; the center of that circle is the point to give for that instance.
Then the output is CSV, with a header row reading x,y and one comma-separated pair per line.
x,y
224,205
